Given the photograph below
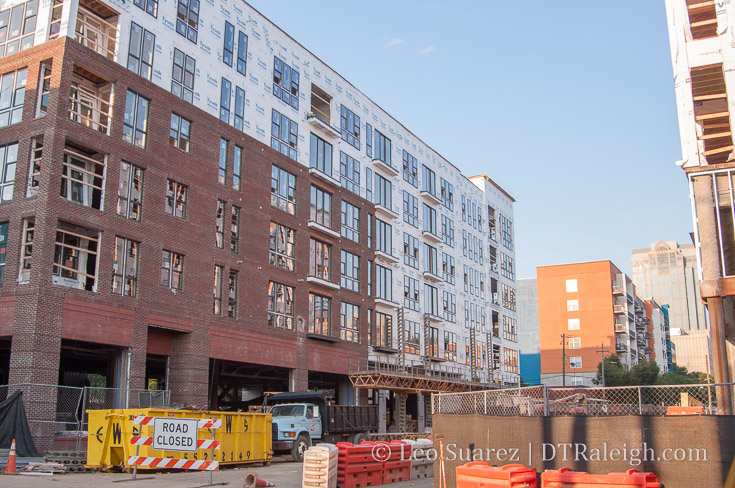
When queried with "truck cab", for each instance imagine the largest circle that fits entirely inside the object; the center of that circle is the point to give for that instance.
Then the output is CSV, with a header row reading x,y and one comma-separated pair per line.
x,y
295,427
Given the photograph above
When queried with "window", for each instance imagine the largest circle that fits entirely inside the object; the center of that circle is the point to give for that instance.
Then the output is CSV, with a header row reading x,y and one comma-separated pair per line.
x,y
511,360
239,108
320,156
235,229
428,180
411,293
383,192
90,103
506,267
450,346
573,324
150,6
285,83
384,330
18,27
219,226
433,346
369,140
3,249
413,337
382,148
319,260
571,286
319,313
232,295
506,231
448,268
224,100
370,231
187,19
140,50
135,123
282,246
284,135
350,221
130,191
430,220
368,184
283,190
430,260
410,209
125,267
82,174
180,132
75,257
349,172
8,160
350,271
431,300
182,77
572,305
384,237
575,362
176,199
44,89
12,95
222,170
172,269
370,278
280,305
228,51
447,194
349,124
54,19
384,283
410,169
242,52
448,232
236,168
26,251
510,331
449,306
349,323
217,290
410,250
575,343
321,207
509,297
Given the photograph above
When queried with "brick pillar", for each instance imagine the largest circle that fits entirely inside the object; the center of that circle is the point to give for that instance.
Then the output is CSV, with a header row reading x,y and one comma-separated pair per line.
x,y
138,352
189,373
34,358
298,377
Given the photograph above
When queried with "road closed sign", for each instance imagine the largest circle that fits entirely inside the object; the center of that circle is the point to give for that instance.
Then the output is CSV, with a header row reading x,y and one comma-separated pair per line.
x,y
170,434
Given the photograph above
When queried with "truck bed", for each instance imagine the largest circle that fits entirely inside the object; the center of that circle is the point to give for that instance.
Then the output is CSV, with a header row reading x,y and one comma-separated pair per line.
x,y
350,418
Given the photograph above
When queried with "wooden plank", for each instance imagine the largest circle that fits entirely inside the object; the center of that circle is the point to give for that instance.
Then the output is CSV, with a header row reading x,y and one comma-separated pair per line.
x,y
715,135
713,116
719,150
694,6
710,97
704,23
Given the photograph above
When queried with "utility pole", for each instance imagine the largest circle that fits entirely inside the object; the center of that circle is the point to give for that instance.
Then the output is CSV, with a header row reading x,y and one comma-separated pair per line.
x,y
563,360
602,352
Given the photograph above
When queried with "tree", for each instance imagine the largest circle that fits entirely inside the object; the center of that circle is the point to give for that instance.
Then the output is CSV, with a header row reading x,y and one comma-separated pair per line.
x,y
645,373
615,372
680,376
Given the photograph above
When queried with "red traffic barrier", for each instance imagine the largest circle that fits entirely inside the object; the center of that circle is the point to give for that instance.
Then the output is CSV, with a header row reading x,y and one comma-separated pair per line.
x,y
357,466
478,474
395,471
566,478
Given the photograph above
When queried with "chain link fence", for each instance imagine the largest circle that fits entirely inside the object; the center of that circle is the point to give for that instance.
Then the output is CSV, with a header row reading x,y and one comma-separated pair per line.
x,y
57,415
563,401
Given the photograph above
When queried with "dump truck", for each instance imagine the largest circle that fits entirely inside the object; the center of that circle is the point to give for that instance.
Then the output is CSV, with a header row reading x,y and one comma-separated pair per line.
x,y
300,419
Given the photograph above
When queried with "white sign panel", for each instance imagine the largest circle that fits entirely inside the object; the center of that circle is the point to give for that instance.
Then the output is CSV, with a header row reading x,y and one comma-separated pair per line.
x,y
170,434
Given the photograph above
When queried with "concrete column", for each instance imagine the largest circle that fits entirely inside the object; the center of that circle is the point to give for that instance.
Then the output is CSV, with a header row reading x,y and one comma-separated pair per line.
x,y
382,410
420,409
298,379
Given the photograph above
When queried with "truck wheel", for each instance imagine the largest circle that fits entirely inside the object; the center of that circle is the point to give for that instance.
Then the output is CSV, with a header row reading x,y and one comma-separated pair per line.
x,y
303,442
359,438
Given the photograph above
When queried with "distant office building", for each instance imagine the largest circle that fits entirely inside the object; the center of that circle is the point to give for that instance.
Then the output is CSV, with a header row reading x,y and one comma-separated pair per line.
x,y
693,350
667,272
594,305
528,331
658,335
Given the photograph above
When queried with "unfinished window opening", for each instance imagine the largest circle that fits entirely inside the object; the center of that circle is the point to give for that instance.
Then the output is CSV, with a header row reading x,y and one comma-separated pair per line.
x,y
97,27
711,113
26,251
18,27
172,269
44,89
90,96
130,191
55,19
702,18
34,168
125,267
232,295
75,257
83,176
321,102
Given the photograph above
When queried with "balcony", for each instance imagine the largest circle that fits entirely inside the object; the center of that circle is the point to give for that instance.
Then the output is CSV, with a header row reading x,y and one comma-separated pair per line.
x,y
323,229
384,303
321,281
324,177
618,290
619,309
431,236
96,27
619,347
382,210
621,328
431,197
429,276
385,167
90,99
385,257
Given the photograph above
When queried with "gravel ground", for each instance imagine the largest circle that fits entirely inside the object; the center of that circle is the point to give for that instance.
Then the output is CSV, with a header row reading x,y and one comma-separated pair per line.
x,y
284,474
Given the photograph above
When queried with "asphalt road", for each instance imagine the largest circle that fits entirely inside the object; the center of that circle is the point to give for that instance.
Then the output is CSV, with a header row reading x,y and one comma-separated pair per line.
x,y
283,474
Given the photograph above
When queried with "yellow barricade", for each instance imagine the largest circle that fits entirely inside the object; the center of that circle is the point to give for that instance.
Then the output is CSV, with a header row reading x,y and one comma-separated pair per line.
x,y
244,437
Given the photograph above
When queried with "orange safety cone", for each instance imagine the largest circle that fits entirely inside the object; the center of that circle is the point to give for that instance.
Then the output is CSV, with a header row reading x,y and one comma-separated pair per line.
x,y
262,482
10,467
252,480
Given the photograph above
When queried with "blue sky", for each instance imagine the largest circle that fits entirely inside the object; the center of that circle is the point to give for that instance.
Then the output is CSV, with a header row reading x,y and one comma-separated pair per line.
x,y
568,105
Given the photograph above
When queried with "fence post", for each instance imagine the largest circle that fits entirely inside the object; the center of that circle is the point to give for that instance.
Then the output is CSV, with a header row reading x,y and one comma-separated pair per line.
x,y
485,401
546,400
640,401
80,420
